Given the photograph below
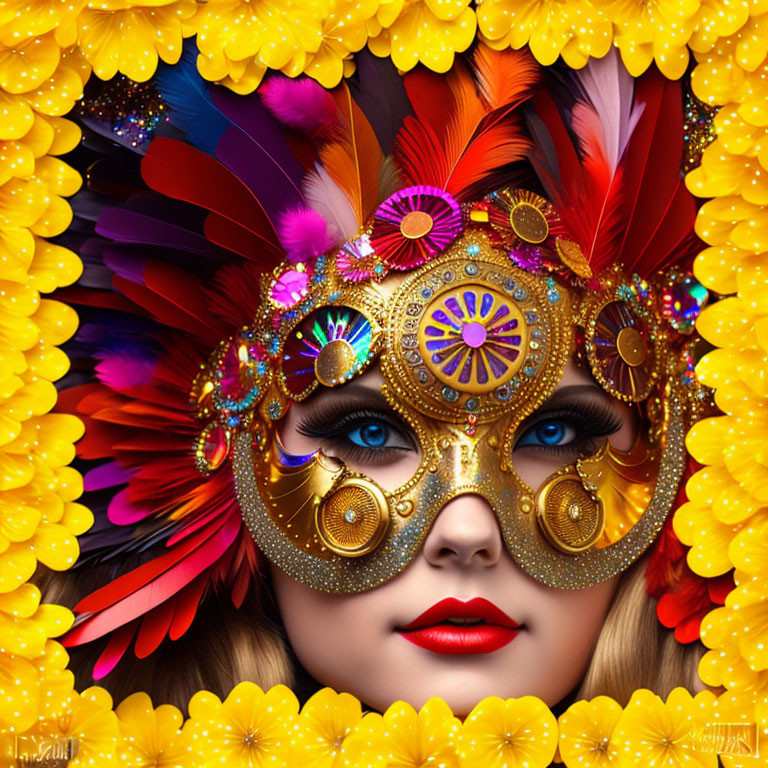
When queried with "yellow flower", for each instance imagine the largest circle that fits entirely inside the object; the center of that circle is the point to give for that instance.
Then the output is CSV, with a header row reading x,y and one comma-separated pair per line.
x,y
249,729
586,728
56,681
151,737
19,693
128,36
426,31
404,738
749,549
511,733
25,625
748,601
58,95
574,29
59,16
708,538
658,31
325,722
90,721
344,32
651,732
238,40
27,64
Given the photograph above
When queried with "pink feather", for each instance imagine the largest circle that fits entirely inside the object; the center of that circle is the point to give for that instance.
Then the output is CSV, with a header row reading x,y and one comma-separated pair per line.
x,y
304,234
121,370
302,104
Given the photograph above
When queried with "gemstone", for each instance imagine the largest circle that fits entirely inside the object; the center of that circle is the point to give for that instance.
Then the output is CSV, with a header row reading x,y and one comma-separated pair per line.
x,y
474,334
213,446
290,288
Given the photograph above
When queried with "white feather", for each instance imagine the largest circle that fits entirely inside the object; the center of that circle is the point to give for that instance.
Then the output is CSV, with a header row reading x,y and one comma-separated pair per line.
x,y
326,197
609,87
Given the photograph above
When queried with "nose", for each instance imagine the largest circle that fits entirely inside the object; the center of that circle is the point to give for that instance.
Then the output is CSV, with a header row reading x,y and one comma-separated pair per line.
x,y
465,533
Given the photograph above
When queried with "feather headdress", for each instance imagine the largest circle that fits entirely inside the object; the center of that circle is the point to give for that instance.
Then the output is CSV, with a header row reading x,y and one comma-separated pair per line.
x,y
298,171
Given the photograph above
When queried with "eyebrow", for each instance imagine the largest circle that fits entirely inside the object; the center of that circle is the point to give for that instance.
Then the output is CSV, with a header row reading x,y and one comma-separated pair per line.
x,y
574,391
355,391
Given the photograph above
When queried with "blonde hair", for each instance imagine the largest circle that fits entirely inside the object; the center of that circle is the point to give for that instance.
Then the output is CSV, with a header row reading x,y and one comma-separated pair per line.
x,y
634,650
227,645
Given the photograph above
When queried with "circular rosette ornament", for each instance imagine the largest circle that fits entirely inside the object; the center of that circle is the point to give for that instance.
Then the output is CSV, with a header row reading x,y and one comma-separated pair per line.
x,y
329,347
290,287
356,260
240,374
521,220
472,338
682,299
414,225
621,353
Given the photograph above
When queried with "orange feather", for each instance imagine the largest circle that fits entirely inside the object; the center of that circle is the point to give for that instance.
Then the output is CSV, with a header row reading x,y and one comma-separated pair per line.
x,y
353,157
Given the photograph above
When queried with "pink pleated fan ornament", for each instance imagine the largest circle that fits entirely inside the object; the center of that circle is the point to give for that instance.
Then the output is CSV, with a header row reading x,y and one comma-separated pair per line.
x,y
414,225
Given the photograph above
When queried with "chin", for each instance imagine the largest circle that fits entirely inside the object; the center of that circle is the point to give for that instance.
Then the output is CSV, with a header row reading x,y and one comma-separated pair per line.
x,y
462,690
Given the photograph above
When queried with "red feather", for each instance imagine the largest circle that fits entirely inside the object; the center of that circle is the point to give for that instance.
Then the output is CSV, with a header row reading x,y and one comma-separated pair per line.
x,y
154,628
114,650
457,140
187,602
184,173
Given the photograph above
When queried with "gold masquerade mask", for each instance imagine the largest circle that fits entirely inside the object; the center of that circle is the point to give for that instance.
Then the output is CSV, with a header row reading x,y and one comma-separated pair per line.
x,y
469,346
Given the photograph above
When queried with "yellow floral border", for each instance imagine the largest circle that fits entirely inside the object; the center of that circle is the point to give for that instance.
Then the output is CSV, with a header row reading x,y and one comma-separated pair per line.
x,y
48,49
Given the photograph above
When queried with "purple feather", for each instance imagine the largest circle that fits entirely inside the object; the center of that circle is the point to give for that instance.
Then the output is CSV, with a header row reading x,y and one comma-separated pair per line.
x,y
301,103
304,234
256,152
105,476
130,227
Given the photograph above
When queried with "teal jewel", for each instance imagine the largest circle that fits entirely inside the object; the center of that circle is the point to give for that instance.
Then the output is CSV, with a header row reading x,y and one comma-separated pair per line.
x,y
553,295
520,294
529,370
471,269
473,250
450,394
378,269
471,404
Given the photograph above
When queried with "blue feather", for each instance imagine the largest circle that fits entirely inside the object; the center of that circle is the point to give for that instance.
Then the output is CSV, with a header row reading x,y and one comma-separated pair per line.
x,y
191,108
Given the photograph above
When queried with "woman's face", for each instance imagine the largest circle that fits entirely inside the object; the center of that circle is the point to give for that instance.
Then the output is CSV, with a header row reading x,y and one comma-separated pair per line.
x,y
364,643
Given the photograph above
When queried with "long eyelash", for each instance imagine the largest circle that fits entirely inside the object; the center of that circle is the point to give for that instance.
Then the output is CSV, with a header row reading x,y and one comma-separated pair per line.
x,y
592,420
334,420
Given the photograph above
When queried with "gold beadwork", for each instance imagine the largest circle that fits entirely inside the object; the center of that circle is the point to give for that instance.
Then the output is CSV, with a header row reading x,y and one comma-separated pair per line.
x,y
353,518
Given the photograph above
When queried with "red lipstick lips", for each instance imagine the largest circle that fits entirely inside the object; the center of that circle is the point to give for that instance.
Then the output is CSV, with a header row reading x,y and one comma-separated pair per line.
x,y
455,627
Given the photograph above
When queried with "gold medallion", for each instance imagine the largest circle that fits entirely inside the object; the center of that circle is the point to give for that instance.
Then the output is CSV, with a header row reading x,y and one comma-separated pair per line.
x,y
572,256
631,347
353,519
529,223
334,362
570,517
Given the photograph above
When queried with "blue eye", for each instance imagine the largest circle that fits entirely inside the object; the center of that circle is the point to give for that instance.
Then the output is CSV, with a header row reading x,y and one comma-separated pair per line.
x,y
371,435
548,433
